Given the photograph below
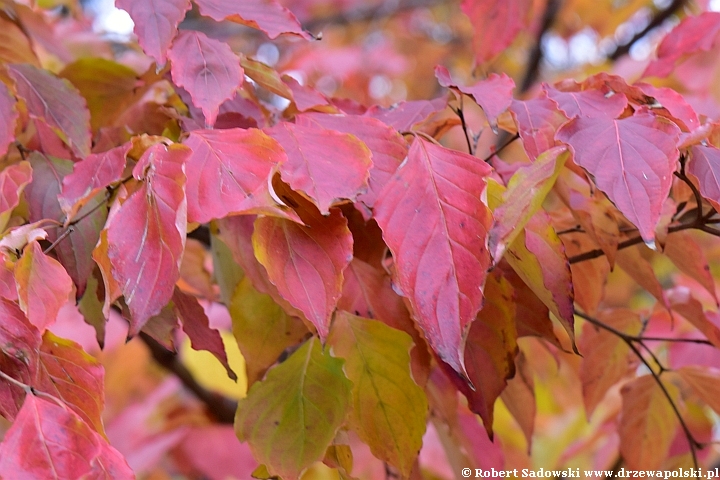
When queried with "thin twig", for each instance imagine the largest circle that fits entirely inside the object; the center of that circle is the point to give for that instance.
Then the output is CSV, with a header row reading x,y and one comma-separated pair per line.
x,y
655,22
364,14
221,407
461,115
501,147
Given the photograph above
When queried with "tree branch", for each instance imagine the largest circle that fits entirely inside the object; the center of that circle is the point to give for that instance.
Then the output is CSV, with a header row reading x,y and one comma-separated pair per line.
x,y
656,21
219,406
536,54
364,14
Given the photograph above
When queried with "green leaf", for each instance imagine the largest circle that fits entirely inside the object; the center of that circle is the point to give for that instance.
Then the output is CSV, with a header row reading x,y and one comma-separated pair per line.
x,y
262,329
291,417
388,408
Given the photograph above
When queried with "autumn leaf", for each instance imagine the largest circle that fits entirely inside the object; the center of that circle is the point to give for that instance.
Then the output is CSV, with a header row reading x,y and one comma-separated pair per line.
x,y
647,424
207,68
9,116
290,418
57,103
47,440
146,235
306,262
704,168
495,24
632,161
266,15
13,180
436,226
156,23
389,410
538,119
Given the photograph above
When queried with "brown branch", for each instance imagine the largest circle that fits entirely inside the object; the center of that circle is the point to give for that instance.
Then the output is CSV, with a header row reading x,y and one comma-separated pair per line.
x,y
219,406
501,147
536,54
656,21
630,341
364,14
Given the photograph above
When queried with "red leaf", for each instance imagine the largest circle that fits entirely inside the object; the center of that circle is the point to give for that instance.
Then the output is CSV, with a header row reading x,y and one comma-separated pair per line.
x,y
13,180
313,165
228,172
632,160
89,176
8,119
156,23
306,262
538,120
196,326
48,440
388,148
304,97
266,15
19,345
704,168
403,116
496,24
207,68
56,102
146,235
585,103
691,35
43,286
680,111
75,251
494,94
436,226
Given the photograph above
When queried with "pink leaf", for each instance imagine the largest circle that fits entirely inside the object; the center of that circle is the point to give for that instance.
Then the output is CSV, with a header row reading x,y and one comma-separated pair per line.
x,y
494,94
266,15
538,120
632,160
8,119
496,24
156,23
436,227
207,68
146,235
585,103
403,116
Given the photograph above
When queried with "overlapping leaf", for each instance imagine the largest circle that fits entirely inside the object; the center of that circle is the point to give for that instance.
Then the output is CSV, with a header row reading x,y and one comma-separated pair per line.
x,y
43,286
266,15
538,119
48,440
704,381
436,227
632,160
389,410
388,148
156,23
146,235
290,418
228,172
207,68
57,103
647,424
13,180
325,165
262,329
8,118
403,116
575,102
496,24
685,252
704,168
606,357
306,262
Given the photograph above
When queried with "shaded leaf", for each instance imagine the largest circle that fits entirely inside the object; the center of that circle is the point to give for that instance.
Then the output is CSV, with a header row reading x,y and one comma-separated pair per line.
x,y
146,235
403,116
15,46
8,119
705,382
494,94
388,148
207,68
267,77
495,25
682,249
228,172
13,180
56,102
290,417
266,15
48,440
575,102
313,168
519,397
596,215
632,161
704,168
43,286
436,227
306,262
647,424
196,326
606,357
156,23
263,330
388,408
683,302
636,262
525,195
